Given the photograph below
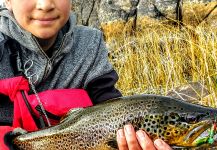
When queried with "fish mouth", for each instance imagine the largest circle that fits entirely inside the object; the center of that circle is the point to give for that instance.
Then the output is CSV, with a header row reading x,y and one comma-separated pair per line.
x,y
208,137
200,135
197,137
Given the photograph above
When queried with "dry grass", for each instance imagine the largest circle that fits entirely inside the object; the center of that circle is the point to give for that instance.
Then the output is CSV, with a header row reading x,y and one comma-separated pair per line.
x,y
159,57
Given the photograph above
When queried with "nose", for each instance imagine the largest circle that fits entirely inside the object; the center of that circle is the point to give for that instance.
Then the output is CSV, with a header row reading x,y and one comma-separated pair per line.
x,y
45,5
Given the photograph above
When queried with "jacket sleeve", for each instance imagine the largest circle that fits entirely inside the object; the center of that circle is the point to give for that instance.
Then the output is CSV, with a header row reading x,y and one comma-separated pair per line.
x,y
102,88
101,77
6,111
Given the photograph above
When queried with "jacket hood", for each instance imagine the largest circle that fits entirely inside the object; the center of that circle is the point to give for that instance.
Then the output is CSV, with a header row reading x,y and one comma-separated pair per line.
x,y
10,27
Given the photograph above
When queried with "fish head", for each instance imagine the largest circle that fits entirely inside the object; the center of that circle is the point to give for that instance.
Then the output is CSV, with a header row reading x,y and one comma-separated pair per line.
x,y
187,129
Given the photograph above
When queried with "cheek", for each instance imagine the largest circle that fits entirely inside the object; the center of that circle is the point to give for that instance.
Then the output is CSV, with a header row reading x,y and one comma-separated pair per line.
x,y
21,16
64,7
22,6
21,13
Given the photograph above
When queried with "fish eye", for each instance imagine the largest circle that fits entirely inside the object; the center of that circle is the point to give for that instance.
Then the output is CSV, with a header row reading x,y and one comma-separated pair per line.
x,y
191,118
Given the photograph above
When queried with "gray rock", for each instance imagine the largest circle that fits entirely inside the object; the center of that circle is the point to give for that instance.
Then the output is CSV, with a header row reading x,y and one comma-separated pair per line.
x,y
192,92
96,12
87,12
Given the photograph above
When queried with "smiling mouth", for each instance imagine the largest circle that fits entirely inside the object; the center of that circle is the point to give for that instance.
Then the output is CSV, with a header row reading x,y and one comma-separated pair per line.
x,y
47,19
44,21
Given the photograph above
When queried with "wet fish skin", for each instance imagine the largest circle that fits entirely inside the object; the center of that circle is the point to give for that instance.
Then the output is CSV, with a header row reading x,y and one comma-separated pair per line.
x,y
95,128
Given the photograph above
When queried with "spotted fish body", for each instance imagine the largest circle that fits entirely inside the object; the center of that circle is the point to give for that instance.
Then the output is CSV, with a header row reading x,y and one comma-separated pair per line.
x,y
177,122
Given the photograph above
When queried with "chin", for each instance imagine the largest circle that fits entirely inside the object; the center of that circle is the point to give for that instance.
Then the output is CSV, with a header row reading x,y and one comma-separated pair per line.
x,y
45,36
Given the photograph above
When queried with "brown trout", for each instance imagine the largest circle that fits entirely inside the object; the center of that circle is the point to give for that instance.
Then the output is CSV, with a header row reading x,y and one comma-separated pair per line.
x,y
179,123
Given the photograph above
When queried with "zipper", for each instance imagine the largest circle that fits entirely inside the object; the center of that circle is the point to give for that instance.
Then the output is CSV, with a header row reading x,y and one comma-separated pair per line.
x,y
47,69
44,54
50,61
59,49
53,58
39,47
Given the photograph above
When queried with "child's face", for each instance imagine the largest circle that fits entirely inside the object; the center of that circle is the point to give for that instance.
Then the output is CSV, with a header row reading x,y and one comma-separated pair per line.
x,y
43,18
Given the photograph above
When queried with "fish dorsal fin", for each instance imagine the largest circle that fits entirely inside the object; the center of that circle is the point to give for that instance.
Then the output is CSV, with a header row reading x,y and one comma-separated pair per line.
x,y
72,113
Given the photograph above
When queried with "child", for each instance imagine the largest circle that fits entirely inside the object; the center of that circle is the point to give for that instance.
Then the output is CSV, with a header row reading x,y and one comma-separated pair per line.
x,y
39,39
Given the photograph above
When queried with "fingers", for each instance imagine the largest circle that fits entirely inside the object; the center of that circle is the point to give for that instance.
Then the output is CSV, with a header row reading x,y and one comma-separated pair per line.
x,y
144,141
127,139
131,138
161,145
121,140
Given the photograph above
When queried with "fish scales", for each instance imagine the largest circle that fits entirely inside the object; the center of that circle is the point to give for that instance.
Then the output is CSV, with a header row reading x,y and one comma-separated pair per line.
x,y
95,128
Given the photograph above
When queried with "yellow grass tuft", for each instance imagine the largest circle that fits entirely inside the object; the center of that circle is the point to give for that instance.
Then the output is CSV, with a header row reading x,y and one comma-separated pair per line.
x,y
158,57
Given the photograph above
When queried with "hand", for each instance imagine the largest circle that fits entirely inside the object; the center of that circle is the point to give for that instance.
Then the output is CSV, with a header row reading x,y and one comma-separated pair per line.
x,y
128,139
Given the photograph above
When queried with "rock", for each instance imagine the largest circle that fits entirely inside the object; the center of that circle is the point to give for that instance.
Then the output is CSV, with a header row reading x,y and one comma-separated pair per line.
x,y
192,92
98,12
200,13
117,10
158,8
87,12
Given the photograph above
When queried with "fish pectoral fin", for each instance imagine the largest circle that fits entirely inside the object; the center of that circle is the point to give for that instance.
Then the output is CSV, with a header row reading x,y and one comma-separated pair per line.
x,y
112,143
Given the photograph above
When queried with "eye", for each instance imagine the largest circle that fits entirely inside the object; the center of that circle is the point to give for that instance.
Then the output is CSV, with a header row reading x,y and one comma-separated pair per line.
x,y
191,118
